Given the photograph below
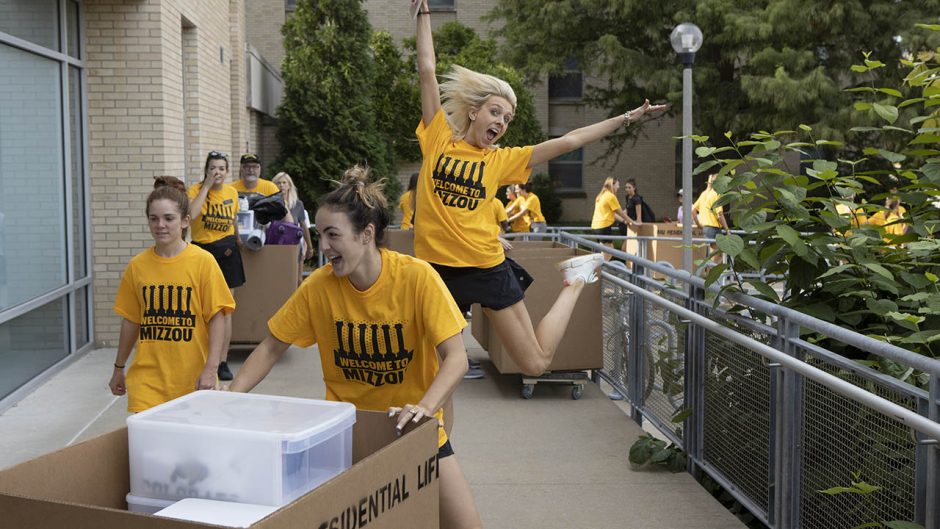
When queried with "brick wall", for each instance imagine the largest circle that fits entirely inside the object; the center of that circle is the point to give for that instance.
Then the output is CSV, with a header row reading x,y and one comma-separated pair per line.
x,y
159,97
263,21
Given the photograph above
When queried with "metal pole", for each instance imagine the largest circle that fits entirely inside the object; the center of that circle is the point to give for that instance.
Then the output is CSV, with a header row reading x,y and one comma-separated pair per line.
x,y
687,221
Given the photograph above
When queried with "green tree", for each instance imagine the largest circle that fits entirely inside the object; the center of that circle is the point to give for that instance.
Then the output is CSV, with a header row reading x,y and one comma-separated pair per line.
x,y
396,99
836,266
764,65
327,120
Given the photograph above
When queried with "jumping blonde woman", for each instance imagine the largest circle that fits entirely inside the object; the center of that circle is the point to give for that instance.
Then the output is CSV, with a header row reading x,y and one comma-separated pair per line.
x,y
462,121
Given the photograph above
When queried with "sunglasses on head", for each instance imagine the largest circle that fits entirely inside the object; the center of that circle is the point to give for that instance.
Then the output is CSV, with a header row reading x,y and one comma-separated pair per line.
x,y
217,154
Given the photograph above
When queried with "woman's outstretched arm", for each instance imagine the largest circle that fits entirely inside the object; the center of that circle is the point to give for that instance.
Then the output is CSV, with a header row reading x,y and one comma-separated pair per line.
x,y
578,138
427,65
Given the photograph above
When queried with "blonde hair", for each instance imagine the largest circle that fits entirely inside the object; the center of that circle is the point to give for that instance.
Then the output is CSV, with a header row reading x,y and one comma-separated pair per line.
x,y
608,186
465,90
291,198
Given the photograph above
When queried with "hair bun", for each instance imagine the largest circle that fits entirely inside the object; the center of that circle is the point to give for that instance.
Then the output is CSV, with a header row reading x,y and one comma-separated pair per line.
x,y
357,174
168,181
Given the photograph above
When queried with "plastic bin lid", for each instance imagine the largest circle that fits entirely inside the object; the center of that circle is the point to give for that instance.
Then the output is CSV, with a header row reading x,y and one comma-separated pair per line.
x,y
249,412
223,513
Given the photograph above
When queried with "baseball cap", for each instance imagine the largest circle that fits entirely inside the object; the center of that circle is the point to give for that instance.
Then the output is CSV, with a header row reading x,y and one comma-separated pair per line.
x,y
250,158
680,192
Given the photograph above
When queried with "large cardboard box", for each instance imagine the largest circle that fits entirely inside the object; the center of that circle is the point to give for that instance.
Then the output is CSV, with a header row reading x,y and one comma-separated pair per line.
x,y
581,347
666,251
392,484
270,278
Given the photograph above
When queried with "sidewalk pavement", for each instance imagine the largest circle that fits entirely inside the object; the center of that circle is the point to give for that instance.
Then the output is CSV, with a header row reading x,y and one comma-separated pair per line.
x,y
546,463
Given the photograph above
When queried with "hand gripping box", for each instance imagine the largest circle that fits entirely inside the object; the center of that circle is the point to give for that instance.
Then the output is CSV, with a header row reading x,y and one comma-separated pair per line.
x,y
240,447
393,483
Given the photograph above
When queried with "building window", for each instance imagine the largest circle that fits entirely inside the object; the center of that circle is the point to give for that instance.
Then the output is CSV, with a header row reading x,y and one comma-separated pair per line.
x,y
290,5
442,5
44,257
567,170
568,84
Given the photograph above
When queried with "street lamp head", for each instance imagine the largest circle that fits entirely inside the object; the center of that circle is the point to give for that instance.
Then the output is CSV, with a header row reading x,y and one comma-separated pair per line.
x,y
686,38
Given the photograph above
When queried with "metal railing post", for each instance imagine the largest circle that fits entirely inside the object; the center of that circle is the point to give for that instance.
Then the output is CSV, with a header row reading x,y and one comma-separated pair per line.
x,y
636,359
694,431
927,503
786,432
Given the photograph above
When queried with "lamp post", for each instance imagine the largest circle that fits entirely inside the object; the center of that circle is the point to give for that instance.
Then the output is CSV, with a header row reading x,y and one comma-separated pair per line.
x,y
686,39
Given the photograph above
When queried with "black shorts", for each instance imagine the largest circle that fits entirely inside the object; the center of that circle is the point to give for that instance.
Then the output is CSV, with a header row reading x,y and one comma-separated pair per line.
x,y
229,257
445,450
617,228
495,288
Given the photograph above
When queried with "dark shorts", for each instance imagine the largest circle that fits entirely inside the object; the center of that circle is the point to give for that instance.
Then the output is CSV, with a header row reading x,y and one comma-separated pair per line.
x,y
710,232
229,257
495,288
445,450
617,228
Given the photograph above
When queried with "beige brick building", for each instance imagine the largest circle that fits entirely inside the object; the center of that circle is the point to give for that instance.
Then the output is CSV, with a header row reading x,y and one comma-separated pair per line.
x,y
109,94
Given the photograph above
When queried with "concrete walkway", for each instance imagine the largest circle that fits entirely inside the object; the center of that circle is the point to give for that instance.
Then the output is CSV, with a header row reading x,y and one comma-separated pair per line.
x,y
546,463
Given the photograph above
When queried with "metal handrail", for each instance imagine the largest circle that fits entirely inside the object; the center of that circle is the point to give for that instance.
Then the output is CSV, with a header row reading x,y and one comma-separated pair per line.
x,y
834,383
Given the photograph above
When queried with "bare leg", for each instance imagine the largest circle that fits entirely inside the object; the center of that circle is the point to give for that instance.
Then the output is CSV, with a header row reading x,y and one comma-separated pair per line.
x,y
530,348
458,510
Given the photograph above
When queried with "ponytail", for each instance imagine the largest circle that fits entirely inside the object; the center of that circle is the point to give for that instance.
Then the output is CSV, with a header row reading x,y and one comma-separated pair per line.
x,y
361,200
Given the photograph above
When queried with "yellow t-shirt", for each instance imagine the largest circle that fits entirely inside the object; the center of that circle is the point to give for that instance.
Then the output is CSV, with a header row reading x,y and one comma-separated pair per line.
x,y
265,187
707,213
535,208
217,218
889,221
521,224
172,299
499,212
378,347
456,181
404,204
604,207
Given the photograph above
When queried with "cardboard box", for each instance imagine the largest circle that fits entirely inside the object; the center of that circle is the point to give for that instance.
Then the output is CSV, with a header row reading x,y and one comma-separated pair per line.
x,y
581,347
391,485
270,278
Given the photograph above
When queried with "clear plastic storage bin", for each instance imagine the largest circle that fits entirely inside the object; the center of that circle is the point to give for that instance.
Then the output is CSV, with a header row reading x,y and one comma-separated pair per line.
x,y
239,447
146,505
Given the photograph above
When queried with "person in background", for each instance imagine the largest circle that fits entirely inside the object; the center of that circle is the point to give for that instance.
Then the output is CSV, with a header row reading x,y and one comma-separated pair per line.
x,y
533,207
213,206
407,203
709,217
462,121
891,219
172,300
373,306
638,210
249,177
516,209
607,212
679,197
297,214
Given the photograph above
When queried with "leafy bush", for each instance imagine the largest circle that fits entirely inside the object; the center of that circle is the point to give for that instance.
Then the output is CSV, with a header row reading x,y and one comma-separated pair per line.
x,y
834,267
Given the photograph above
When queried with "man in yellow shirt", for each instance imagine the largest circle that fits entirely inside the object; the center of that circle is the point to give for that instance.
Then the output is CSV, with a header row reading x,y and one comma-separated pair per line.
x,y
249,178
709,217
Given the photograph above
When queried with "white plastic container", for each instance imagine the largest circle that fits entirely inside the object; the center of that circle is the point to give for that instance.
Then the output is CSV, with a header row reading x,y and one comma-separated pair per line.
x,y
240,447
146,505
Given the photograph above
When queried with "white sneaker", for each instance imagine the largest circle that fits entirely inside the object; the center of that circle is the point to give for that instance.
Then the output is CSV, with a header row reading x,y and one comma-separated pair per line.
x,y
583,267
